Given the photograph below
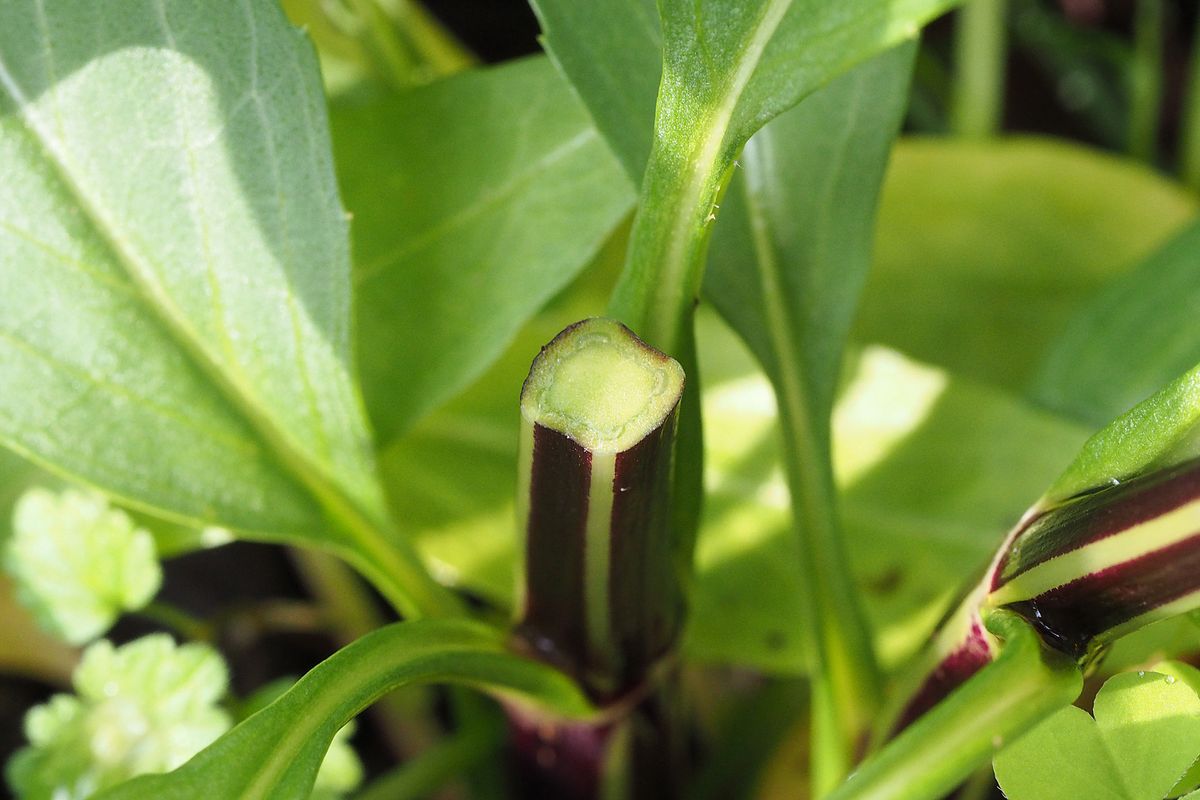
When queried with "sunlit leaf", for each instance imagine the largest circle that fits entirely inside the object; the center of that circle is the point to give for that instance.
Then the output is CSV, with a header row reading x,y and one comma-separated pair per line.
x,y
984,250
1145,734
176,322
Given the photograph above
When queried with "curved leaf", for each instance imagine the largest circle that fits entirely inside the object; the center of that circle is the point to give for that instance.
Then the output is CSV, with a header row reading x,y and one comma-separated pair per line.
x,y
276,753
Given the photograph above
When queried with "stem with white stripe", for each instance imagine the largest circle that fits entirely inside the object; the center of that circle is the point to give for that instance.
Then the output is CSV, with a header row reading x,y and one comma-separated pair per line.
x,y
1083,573
601,596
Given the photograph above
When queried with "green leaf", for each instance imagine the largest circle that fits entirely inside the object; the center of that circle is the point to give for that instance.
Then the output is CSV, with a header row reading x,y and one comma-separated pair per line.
x,y
475,201
341,771
78,564
748,61
793,242
611,50
1132,338
984,251
1129,340
1145,735
176,270
276,752
147,706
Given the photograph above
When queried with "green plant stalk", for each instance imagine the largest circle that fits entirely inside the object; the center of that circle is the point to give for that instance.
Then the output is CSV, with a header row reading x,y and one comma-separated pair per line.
x,y
351,611
846,683
400,65
845,680
178,621
656,294
658,289
436,47
1189,147
979,59
1145,79
428,772
1024,685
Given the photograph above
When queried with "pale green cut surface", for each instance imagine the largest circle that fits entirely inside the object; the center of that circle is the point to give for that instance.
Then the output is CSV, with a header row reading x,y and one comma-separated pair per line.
x,y
602,386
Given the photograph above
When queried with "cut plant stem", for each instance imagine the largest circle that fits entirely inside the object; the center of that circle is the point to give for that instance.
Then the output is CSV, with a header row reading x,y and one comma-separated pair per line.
x,y
600,595
1082,572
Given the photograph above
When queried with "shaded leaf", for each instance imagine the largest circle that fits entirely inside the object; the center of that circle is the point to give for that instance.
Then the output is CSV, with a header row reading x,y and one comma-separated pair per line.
x,y
475,201
1134,336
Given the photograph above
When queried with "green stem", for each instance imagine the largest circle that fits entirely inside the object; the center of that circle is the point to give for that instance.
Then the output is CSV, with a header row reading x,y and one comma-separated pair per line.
x,y
401,65
979,59
352,613
424,775
178,620
1190,134
1145,79
846,683
437,48
1025,684
657,290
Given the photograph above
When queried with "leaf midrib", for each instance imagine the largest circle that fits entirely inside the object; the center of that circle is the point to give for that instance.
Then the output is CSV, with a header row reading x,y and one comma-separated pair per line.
x,y
380,265
293,458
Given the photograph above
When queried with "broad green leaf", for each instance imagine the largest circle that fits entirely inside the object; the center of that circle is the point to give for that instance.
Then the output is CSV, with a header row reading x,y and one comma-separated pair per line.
x,y
341,770
611,50
1145,735
1133,337
176,270
78,563
276,752
745,62
985,250
474,202
147,706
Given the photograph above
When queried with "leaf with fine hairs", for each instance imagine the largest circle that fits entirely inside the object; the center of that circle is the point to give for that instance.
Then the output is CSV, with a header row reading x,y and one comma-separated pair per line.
x,y
176,313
